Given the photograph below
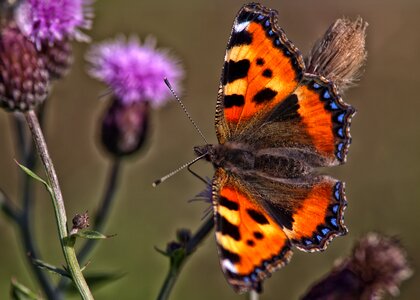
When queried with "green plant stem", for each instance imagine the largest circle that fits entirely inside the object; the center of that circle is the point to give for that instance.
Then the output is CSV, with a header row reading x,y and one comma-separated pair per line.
x,y
27,153
59,209
101,216
176,267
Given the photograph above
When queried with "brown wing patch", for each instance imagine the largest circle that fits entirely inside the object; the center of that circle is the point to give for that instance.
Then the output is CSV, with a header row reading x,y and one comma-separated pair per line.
x,y
251,244
262,67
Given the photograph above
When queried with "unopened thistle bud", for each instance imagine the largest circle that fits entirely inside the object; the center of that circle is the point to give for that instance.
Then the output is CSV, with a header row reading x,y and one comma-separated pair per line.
x,y
340,54
80,221
125,127
24,80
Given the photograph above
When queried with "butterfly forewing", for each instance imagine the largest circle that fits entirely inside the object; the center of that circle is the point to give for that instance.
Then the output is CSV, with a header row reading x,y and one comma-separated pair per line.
x,y
261,69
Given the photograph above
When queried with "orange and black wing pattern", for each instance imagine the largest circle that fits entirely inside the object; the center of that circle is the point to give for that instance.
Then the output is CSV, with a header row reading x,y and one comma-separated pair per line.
x,y
262,68
259,220
313,123
250,242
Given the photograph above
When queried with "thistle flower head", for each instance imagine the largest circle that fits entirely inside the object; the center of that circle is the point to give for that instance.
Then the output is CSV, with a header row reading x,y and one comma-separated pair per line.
x,y
134,71
48,21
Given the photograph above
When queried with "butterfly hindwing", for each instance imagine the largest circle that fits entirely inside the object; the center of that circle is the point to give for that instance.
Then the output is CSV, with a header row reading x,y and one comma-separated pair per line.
x,y
312,124
251,244
262,67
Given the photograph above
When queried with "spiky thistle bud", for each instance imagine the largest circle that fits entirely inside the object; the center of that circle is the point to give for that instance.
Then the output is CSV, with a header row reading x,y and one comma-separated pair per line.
x,y
58,58
340,54
24,80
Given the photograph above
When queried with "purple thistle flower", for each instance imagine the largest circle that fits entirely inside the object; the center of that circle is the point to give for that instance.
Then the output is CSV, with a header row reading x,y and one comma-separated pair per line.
x,y
48,21
134,71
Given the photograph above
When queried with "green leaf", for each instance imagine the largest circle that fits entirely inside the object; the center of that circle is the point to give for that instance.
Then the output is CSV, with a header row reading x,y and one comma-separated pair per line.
x,y
20,292
51,268
36,177
96,280
92,235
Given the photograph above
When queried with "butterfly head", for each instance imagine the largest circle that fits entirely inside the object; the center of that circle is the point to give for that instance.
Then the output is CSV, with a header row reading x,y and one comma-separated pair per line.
x,y
206,151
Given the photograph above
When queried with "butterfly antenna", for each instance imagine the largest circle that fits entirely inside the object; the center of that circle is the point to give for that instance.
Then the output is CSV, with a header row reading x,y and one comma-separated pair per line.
x,y
162,179
184,109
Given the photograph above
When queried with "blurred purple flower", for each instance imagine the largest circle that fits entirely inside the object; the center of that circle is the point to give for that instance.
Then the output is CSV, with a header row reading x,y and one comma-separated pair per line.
x,y
49,21
134,71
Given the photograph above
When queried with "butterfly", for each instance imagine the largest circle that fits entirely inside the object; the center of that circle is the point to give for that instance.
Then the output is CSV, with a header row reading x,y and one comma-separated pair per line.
x,y
275,125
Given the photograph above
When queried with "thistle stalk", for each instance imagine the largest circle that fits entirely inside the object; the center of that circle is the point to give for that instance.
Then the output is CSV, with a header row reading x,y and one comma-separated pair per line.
x,y
66,241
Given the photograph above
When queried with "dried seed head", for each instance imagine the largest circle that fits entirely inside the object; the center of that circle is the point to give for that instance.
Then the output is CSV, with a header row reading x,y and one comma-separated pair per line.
x,y
378,265
58,58
340,54
24,80
125,127
382,264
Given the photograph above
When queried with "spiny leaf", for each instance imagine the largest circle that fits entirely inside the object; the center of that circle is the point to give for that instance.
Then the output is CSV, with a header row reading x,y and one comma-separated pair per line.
x,y
20,292
92,235
53,269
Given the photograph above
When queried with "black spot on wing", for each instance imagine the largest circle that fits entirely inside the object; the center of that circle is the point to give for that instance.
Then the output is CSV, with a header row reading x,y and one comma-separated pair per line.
x,y
233,100
267,73
257,216
264,95
227,228
229,255
258,235
250,243
223,201
286,110
260,61
240,38
234,70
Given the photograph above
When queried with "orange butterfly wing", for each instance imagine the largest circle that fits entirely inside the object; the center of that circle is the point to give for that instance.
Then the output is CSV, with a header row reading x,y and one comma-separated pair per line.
x,y
251,244
259,219
261,69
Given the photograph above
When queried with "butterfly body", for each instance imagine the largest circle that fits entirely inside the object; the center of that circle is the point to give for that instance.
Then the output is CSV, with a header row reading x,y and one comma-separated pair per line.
x,y
275,125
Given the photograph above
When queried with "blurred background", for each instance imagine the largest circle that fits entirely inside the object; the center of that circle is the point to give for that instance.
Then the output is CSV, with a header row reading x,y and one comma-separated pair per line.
x,y
382,173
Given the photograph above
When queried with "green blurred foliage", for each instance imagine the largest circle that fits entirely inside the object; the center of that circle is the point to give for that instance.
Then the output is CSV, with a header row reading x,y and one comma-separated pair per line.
x,y
382,173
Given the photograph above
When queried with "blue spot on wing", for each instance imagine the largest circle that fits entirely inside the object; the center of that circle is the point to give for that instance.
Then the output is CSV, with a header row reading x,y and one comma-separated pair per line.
x,y
333,105
340,132
340,117
337,191
270,32
260,17
333,222
316,86
335,208
326,95
267,23
318,237
325,231
340,146
339,155
308,242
